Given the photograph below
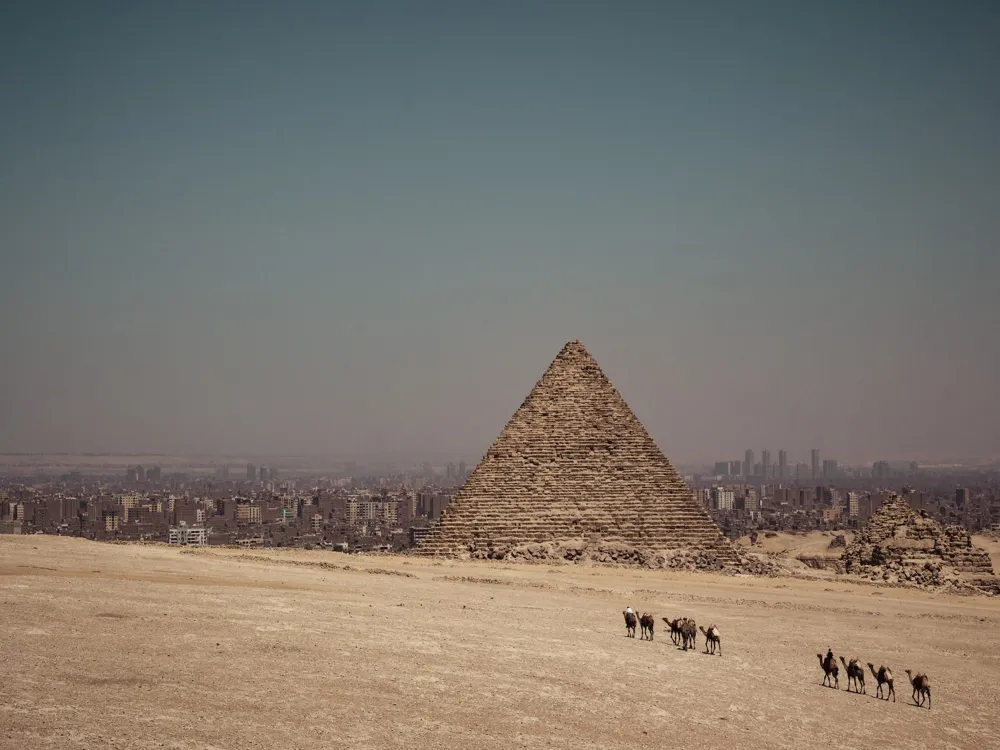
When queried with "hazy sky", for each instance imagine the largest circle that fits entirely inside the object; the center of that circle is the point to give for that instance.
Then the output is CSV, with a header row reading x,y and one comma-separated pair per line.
x,y
369,227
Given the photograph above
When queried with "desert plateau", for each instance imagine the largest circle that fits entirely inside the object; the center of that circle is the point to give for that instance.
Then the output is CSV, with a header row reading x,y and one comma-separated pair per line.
x,y
148,646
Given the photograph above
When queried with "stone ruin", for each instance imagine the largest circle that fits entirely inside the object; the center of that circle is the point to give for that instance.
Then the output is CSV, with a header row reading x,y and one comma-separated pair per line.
x,y
899,545
574,476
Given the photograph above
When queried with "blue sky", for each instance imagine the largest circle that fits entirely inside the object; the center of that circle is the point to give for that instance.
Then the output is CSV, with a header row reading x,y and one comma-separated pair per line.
x,y
367,228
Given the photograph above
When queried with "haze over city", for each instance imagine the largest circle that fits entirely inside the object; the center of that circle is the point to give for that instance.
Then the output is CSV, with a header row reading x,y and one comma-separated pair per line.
x,y
366,229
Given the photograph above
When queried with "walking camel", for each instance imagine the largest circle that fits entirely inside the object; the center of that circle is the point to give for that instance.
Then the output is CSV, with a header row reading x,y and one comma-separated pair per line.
x,y
629,623
921,685
675,630
646,622
831,669
712,638
855,674
689,634
883,677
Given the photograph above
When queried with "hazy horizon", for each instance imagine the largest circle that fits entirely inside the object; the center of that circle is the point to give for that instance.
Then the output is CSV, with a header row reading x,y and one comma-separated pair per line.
x,y
343,229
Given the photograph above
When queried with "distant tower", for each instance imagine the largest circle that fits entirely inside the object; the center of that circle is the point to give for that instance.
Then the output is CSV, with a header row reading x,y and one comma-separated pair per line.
x,y
251,473
748,463
765,463
815,463
782,465
461,470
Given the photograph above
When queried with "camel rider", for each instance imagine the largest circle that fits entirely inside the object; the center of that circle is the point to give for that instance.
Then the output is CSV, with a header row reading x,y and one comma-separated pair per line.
x,y
829,656
628,611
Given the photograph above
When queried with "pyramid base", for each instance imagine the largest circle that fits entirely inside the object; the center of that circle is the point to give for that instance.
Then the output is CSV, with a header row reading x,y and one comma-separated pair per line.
x,y
724,559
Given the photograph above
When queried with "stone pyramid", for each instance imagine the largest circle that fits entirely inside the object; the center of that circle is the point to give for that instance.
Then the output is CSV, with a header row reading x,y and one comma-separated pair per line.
x,y
574,465
898,540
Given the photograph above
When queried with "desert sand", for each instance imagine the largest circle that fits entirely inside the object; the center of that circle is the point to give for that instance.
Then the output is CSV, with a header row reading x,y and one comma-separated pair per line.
x,y
132,646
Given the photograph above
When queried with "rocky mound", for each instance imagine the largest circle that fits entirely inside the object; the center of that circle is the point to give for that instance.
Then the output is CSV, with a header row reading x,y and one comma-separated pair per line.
x,y
899,545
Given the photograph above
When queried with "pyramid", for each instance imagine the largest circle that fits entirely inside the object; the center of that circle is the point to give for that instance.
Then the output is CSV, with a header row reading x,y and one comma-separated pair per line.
x,y
898,538
575,466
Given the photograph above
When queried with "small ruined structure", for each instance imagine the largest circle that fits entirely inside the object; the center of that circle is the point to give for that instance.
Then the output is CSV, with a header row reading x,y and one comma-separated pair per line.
x,y
899,544
575,476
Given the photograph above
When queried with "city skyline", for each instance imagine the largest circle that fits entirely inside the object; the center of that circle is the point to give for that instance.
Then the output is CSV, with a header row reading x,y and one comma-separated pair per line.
x,y
460,463
367,230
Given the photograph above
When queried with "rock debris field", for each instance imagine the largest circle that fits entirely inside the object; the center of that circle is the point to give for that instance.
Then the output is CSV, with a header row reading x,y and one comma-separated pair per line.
x,y
131,646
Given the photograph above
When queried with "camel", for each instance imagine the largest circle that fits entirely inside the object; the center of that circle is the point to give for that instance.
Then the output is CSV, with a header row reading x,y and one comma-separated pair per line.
x,y
883,677
831,669
675,630
712,638
629,623
689,634
854,674
646,622
921,685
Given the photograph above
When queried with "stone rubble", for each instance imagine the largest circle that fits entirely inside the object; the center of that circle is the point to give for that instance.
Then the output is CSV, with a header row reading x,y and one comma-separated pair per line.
x,y
616,554
575,476
902,547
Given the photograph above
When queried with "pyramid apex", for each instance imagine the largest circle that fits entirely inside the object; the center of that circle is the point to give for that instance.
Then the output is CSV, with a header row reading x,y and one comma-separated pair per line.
x,y
574,346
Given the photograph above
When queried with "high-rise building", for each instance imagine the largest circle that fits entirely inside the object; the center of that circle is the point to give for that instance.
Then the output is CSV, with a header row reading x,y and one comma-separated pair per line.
x,y
748,463
829,468
461,470
735,468
721,468
251,473
722,499
264,474
815,464
853,504
782,465
765,463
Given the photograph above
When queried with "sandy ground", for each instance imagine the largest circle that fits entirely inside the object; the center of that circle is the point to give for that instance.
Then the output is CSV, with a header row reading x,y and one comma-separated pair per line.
x,y
109,646
812,543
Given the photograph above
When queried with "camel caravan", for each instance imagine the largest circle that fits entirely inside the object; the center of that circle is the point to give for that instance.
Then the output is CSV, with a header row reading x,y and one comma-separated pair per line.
x,y
684,635
683,631
885,690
